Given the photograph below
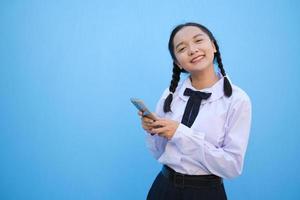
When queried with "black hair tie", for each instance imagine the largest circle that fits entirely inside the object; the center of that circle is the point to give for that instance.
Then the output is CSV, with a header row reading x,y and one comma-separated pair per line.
x,y
193,105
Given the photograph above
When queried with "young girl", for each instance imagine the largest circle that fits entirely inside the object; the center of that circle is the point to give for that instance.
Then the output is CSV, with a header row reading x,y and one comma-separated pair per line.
x,y
202,132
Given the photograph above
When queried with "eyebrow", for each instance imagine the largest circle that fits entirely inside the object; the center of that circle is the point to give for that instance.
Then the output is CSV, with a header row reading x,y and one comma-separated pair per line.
x,y
199,34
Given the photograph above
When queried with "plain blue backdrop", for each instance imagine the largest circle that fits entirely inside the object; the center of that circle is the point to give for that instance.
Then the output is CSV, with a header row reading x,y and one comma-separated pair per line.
x,y
68,69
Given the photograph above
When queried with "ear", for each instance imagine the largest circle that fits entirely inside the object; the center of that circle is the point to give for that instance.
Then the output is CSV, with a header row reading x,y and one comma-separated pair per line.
x,y
214,47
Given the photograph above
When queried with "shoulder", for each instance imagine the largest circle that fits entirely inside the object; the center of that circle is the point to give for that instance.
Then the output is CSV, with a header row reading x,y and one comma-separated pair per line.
x,y
239,96
239,93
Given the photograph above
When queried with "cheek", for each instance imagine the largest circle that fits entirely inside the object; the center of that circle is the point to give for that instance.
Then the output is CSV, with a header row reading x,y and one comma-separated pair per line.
x,y
180,59
210,53
210,50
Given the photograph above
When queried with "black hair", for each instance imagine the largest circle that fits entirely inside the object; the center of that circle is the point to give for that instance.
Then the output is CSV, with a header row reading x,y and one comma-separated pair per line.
x,y
177,70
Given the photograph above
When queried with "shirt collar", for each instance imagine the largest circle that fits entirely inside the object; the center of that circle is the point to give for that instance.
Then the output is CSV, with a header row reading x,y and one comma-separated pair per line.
x,y
216,89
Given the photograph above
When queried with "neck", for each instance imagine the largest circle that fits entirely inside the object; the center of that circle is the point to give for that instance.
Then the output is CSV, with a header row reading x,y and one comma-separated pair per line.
x,y
204,79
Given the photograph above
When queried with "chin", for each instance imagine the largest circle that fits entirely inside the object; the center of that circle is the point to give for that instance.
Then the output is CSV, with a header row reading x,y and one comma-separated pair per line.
x,y
196,69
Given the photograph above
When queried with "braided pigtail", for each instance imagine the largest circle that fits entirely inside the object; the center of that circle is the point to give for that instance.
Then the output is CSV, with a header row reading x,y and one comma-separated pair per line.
x,y
227,85
172,88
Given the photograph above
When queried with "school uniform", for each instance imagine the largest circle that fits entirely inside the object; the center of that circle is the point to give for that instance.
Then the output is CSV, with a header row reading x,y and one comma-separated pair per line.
x,y
208,145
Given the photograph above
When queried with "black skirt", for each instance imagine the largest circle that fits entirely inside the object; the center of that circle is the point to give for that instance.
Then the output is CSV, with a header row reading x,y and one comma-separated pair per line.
x,y
170,185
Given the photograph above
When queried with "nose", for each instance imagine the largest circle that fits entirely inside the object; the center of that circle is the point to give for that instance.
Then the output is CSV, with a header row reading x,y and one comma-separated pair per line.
x,y
193,49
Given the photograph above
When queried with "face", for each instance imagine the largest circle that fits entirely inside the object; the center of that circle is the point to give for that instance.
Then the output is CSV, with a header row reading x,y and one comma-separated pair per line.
x,y
193,49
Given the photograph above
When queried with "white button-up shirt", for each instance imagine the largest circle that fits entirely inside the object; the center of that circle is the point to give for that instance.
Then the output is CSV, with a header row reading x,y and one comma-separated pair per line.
x,y
217,141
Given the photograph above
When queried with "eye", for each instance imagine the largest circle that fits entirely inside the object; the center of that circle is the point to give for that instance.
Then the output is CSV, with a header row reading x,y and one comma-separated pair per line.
x,y
199,40
181,49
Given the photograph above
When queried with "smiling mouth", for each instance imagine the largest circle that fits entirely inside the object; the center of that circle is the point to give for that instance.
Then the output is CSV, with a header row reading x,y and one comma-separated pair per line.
x,y
196,59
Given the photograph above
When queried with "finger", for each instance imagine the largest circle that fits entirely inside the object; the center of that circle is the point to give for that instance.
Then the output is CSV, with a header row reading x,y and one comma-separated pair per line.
x,y
159,123
147,128
147,120
147,123
159,130
140,113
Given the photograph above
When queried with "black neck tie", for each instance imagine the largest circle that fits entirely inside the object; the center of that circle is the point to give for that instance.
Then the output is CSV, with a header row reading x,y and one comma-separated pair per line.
x,y
193,105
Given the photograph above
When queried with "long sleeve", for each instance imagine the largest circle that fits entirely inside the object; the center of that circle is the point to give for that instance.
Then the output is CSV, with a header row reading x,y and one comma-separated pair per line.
x,y
225,161
155,143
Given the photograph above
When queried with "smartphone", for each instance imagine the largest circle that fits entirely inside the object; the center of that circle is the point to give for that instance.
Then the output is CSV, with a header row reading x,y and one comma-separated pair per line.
x,y
140,105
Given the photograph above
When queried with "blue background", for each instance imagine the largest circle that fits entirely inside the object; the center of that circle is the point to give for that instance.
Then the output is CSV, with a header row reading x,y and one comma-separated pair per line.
x,y
68,69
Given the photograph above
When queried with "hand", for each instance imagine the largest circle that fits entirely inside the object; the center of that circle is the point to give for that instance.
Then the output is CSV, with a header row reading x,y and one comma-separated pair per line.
x,y
146,123
164,127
